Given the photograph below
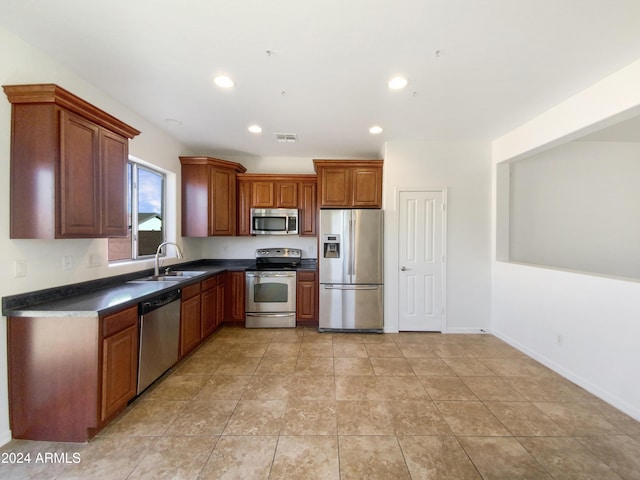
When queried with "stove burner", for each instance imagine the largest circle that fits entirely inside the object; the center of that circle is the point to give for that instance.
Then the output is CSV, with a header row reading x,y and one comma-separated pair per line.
x,y
277,259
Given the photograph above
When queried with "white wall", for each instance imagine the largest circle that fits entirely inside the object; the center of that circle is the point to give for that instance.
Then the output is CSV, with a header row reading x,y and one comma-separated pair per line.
x,y
465,170
22,64
584,327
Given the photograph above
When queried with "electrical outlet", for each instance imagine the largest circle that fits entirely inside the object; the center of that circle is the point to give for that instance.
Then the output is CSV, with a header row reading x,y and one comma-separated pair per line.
x,y
95,260
67,262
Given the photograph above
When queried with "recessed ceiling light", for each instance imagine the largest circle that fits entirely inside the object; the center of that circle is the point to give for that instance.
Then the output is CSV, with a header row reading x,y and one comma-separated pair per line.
x,y
396,83
375,130
223,81
255,129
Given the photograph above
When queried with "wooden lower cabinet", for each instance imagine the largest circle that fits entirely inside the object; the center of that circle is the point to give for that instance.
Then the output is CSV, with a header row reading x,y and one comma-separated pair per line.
x,y
307,299
221,288
209,304
235,297
190,319
119,362
69,375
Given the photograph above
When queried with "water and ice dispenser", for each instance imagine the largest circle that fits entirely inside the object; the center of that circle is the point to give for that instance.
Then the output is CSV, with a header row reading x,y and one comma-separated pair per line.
x,y
331,246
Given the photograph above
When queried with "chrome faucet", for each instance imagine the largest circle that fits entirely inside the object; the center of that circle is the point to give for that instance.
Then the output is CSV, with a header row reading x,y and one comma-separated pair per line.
x,y
179,254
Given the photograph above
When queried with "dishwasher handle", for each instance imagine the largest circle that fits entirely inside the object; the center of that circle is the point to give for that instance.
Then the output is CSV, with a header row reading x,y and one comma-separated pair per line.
x,y
160,301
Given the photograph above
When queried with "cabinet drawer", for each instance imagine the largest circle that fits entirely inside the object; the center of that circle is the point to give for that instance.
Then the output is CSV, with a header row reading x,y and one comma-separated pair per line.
x,y
306,276
119,321
209,283
190,291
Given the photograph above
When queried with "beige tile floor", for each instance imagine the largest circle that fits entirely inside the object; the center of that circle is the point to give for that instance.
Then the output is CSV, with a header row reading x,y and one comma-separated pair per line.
x,y
297,404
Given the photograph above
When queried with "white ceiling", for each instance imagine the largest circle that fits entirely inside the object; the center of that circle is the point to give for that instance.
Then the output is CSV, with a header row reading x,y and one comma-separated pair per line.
x,y
476,68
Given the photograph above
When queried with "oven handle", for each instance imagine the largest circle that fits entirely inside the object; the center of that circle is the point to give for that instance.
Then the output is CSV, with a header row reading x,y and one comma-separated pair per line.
x,y
266,274
268,314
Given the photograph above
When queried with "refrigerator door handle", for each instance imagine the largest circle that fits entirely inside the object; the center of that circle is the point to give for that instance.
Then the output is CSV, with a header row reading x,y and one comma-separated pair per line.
x,y
351,287
351,247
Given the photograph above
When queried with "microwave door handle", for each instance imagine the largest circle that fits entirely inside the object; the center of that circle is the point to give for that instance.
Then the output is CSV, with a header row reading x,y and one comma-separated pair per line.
x,y
286,223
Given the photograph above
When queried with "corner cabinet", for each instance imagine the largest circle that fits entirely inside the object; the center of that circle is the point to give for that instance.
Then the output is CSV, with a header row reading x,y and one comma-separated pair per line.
x,y
349,183
68,166
209,196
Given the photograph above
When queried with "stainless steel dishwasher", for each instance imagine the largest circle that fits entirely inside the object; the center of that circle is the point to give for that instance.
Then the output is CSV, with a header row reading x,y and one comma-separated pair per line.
x,y
159,336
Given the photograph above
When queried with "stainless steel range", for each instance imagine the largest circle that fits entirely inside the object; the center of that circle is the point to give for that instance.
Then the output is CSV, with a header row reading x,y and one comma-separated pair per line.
x,y
271,289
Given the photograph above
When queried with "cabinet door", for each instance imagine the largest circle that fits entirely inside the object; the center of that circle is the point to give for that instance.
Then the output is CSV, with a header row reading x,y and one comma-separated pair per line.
x,y
308,207
306,296
119,370
190,327
113,173
367,187
209,312
244,208
286,194
195,200
79,198
220,292
235,296
335,187
222,198
262,194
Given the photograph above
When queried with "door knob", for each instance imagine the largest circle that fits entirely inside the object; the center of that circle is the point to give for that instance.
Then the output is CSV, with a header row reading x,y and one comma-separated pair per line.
x,y
404,269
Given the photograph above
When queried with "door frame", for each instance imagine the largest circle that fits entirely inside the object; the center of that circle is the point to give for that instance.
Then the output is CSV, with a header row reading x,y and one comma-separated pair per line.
x,y
443,191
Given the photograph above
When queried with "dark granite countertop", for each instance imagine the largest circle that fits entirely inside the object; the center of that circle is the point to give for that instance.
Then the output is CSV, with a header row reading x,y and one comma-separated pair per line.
x,y
101,297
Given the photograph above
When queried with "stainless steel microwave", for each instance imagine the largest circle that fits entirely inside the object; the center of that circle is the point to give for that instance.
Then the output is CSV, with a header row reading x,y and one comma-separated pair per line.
x,y
274,221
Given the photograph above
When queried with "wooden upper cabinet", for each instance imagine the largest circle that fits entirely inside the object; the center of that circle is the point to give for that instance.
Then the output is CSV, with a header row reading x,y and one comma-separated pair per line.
x,y
308,202
68,166
209,196
222,201
244,207
349,183
286,194
262,190
262,195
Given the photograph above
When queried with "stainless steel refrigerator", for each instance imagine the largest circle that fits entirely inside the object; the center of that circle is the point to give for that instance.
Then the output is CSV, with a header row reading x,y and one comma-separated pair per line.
x,y
350,264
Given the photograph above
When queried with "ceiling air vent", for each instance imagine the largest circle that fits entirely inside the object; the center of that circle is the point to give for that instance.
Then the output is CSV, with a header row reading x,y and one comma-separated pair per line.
x,y
286,137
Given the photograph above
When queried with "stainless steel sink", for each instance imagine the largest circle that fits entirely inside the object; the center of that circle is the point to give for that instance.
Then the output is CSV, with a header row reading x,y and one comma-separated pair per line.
x,y
172,276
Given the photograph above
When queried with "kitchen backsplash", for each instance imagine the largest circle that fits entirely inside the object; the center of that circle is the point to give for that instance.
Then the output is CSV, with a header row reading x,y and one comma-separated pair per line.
x,y
245,247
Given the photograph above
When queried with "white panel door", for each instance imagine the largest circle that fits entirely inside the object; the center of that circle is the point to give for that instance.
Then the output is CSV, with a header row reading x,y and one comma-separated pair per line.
x,y
421,261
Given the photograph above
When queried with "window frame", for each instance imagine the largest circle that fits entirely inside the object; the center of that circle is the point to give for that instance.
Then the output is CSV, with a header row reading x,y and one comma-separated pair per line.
x,y
134,166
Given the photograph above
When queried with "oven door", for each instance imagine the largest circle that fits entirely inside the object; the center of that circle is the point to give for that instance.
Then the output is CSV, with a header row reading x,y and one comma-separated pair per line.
x,y
270,292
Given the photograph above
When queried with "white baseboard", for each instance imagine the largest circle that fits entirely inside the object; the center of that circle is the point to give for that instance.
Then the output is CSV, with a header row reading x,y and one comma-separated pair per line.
x,y
468,330
613,400
5,437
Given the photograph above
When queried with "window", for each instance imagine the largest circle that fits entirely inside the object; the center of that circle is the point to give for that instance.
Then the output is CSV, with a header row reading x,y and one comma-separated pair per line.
x,y
146,212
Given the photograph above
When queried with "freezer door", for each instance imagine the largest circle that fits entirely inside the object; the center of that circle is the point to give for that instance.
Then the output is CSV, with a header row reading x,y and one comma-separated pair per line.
x,y
351,307
334,246
366,246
